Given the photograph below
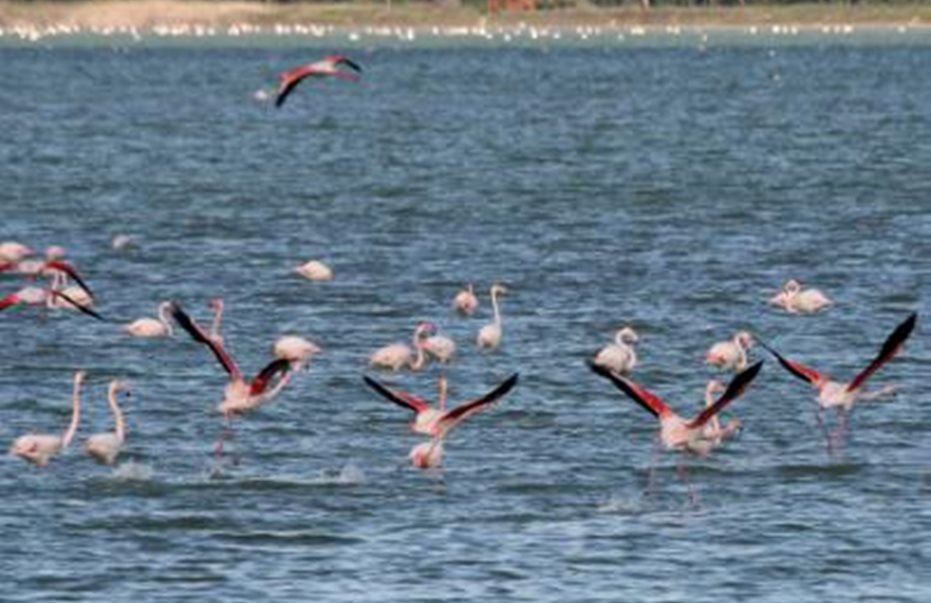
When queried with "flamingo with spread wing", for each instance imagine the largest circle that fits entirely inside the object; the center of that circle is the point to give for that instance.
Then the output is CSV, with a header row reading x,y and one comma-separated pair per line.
x,y
328,67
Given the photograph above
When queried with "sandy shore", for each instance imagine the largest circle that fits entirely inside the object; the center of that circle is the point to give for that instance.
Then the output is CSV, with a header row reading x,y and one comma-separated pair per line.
x,y
144,14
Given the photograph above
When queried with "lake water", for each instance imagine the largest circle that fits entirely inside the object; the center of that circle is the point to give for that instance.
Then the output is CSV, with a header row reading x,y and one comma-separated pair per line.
x,y
673,186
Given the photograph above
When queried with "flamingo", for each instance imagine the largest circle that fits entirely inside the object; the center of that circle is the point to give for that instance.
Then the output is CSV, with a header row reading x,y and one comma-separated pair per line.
x,y
731,355
37,296
619,356
713,431
105,447
465,301
677,433
11,251
315,271
440,347
438,422
489,336
241,395
296,349
328,67
795,300
33,267
216,304
122,242
394,356
75,295
40,448
152,327
834,394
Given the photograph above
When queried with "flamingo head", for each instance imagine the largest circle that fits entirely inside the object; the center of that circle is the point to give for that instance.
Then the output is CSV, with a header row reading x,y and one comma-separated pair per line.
x,y
79,377
792,287
498,289
744,339
118,385
627,335
425,329
216,304
55,252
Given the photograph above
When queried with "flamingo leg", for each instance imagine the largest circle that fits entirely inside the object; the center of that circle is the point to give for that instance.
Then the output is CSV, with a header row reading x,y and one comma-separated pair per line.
x,y
651,470
840,431
819,417
226,434
683,472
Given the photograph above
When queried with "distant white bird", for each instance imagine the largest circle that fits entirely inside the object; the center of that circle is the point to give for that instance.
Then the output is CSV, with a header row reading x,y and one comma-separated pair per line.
x,y
794,300
489,336
40,448
121,242
465,301
315,271
731,355
620,355
105,447
152,327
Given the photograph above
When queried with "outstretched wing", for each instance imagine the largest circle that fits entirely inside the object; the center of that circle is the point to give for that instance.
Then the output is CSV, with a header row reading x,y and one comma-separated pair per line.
x,y
199,335
642,396
734,389
464,411
289,80
797,368
263,379
90,312
344,60
69,270
400,398
890,348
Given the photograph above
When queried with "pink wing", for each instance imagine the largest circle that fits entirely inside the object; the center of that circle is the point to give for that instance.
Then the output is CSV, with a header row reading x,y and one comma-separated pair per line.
x,y
464,411
736,387
10,300
260,382
640,395
70,271
797,368
404,399
199,335
890,348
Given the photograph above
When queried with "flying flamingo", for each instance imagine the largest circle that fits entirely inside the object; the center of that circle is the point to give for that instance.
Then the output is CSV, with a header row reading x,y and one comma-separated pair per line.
x,y
677,433
394,356
315,271
105,447
438,423
296,349
489,336
619,356
440,347
465,301
328,67
731,355
76,295
713,431
40,448
794,300
152,327
241,395
216,304
37,296
834,394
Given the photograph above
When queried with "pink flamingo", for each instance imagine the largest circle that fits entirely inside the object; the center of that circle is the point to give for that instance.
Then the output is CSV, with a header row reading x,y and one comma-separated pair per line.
x,y
439,422
37,296
731,355
489,336
105,447
465,301
834,394
152,327
328,67
40,448
12,252
794,300
440,347
677,433
241,395
619,356
296,349
395,356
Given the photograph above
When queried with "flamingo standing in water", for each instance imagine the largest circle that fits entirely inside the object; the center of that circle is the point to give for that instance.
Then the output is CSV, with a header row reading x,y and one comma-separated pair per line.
x,y
677,433
105,447
315,271
12,251
152,327
619,356
465,301
76,295
395,356
440,347
794,300
241,395
439,422
40,448
834,394
489,336
328,67
730,355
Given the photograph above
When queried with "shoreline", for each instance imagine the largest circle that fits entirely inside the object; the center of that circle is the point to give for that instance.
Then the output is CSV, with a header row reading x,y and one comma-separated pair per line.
x,y
147,15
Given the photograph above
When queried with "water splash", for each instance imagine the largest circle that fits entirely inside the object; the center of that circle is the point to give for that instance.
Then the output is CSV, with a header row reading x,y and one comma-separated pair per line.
x,y
131,471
